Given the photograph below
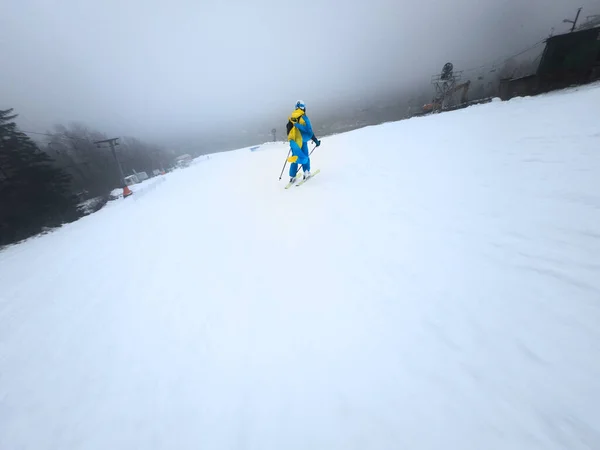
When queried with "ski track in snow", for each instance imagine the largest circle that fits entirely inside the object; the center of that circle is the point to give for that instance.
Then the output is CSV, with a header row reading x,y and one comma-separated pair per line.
x,y
436,286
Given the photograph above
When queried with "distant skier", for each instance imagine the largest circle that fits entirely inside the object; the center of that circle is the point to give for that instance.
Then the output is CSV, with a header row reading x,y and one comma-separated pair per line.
x,y
300,131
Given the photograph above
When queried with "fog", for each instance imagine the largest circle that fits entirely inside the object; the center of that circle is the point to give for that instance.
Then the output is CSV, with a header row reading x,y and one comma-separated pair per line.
x,y
177,71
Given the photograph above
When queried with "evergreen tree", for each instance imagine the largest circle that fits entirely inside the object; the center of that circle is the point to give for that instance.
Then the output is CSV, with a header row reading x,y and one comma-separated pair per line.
x,y
33,193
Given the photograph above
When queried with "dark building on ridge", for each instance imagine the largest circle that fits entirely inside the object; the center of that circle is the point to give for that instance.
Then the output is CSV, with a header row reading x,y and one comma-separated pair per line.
x,y
568,59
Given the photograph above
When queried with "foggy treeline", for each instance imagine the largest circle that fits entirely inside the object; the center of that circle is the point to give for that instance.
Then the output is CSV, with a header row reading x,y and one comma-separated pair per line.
x,y
93,170
43,185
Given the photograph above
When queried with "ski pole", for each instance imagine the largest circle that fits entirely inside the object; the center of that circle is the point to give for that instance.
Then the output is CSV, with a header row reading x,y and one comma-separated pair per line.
x,y
299,165
313,149
284,164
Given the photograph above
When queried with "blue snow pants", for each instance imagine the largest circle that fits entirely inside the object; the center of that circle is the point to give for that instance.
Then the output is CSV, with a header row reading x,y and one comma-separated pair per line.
x,y
303,158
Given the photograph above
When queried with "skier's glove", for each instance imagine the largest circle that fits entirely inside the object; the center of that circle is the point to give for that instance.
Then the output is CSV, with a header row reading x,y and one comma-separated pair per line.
x,y
317,142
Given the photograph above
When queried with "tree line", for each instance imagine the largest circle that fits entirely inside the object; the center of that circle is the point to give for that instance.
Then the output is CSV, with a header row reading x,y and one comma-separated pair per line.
x,y
43,184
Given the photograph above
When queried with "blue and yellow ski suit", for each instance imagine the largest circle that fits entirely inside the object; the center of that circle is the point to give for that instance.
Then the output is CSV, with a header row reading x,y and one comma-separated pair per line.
x,y
298,138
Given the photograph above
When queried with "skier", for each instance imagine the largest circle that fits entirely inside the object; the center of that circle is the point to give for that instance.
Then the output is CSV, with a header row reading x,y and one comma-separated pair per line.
x,y
300,132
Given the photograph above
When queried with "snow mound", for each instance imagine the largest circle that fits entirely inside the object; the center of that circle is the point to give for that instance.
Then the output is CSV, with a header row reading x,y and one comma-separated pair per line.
x,y
435,287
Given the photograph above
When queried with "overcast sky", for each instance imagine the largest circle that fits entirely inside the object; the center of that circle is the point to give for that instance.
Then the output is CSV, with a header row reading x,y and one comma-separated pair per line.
x,y
152,68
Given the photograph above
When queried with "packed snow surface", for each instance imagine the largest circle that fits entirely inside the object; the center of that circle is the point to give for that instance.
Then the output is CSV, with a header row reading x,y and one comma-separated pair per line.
x,y
436,286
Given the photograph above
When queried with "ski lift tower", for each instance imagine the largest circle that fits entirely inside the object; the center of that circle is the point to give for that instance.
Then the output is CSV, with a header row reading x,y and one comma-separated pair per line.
x,y
445,87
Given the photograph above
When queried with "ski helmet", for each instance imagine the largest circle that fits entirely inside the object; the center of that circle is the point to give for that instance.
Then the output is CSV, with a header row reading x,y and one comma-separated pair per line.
x,y
300,105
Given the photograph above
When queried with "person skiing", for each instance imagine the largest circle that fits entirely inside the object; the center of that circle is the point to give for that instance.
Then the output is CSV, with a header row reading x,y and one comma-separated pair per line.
x,y
300,131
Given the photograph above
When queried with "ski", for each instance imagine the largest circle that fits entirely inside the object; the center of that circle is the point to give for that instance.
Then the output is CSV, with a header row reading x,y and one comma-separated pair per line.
x,y
301,181
304,180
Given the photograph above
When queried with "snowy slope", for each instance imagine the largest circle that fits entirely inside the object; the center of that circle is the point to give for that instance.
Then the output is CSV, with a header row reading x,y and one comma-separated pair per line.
x,y
437,286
